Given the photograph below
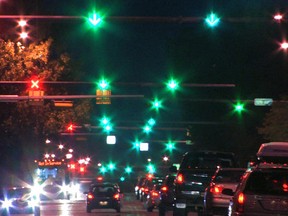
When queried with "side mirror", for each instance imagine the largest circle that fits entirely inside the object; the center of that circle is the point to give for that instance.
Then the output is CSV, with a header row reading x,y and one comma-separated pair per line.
x,y
173,169
228,192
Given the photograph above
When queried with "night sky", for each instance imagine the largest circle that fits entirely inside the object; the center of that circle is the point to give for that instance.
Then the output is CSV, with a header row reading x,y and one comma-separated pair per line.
x,y
242,50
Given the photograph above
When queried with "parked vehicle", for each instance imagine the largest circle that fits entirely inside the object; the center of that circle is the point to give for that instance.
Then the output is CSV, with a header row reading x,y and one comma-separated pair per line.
x,y
167,195
215,202
194,175
262,191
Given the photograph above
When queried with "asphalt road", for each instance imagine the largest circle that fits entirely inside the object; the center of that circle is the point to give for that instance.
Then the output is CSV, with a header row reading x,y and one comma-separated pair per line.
x,y
131,207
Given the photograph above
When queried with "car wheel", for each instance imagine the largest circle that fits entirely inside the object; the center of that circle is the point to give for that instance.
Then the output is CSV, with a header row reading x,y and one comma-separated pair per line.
x,y
88,210
179,212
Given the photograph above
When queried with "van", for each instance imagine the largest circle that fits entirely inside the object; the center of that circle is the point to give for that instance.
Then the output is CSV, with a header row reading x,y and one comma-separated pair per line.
x,y
273,152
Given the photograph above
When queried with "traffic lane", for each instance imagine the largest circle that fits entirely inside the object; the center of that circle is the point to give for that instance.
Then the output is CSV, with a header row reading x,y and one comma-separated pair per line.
x,y
130,207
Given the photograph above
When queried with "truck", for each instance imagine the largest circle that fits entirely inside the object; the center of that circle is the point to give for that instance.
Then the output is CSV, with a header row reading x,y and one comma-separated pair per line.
x,y
194,175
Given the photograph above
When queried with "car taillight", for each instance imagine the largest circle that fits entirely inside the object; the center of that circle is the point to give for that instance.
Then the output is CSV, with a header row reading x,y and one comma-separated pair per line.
x,y
164,189
216,189
155,194
180,178
240,202
90,196
116,196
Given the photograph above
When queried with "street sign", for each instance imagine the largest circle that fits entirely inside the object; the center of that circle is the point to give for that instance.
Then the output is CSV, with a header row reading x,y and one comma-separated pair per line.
x,y
263,101
100,96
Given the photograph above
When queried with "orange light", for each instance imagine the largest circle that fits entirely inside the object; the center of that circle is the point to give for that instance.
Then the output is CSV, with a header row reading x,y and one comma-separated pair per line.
x,y
100,178
180,178
90,196
155,194
241,199
164,189
70,127
117,196
216,189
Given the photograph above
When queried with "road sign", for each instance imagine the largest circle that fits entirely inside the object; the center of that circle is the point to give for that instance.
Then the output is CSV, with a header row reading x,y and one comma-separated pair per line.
x,y
263,101
101,99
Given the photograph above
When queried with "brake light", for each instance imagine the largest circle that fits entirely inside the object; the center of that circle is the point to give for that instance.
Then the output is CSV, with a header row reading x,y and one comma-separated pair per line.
x,y
90,196
116,196
155,194
216,189
164,189
240,198
180,178
240,202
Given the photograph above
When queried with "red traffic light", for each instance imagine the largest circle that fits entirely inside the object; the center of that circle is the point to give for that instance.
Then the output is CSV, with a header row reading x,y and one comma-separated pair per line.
x,y
35,84
70,128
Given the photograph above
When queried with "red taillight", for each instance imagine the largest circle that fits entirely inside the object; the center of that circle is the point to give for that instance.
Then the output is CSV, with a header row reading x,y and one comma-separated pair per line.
x,y
116,196
179,178
155,194
241,199
216,189
164,189
240,202
90,196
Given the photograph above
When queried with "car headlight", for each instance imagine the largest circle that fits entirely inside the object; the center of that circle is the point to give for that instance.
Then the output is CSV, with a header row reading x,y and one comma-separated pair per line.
x,y
6,203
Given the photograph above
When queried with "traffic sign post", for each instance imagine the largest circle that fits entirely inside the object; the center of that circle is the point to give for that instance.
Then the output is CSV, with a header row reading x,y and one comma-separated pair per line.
x,y
263,101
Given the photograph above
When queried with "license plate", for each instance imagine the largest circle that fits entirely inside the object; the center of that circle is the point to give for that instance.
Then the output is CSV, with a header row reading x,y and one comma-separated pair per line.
x,y
180,205
103,203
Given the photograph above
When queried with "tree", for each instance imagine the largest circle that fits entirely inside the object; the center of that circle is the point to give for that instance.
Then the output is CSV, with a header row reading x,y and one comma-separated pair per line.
x,y
275,124
21,123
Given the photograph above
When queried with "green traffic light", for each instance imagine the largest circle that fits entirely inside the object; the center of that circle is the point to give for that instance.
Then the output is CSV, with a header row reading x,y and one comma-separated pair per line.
x,y
239,107
151,122
103,169
212,20
94,19
170,146
147,129
111,166
172,84
151,168
128,169
103,84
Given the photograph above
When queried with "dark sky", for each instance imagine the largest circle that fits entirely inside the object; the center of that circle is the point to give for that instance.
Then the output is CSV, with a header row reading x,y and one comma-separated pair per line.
x,y
243,50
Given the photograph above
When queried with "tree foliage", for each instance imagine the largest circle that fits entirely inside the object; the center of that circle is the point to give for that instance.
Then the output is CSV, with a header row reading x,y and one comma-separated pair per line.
x,y
19,62
275,124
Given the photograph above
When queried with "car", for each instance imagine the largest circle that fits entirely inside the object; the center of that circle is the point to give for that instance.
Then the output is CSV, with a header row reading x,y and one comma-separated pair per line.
x,y
103,196
262,191
194,175
19,200
148,184
167,195
215,202
153,197
138,186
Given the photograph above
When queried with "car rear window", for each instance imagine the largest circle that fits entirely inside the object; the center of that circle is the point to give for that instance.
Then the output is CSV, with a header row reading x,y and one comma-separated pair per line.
x,y
103,190
232,176
268,183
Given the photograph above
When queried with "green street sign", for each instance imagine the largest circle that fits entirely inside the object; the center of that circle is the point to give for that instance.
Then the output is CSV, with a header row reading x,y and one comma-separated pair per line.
x,y
263,101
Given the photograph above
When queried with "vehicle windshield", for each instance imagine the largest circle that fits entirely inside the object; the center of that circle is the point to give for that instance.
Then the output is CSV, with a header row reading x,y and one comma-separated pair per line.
x,y
207,161
268,183
18,193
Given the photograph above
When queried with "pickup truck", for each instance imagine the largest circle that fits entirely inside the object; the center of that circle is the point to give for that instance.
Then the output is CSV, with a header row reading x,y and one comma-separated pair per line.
x,y
194,175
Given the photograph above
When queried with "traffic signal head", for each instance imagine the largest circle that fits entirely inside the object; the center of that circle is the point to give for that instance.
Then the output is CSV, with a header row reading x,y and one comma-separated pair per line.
x,y
103,84
128,169
170,146
34,83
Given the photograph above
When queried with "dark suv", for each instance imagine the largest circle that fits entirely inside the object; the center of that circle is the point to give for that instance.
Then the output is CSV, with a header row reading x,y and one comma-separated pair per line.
x,y
194,175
